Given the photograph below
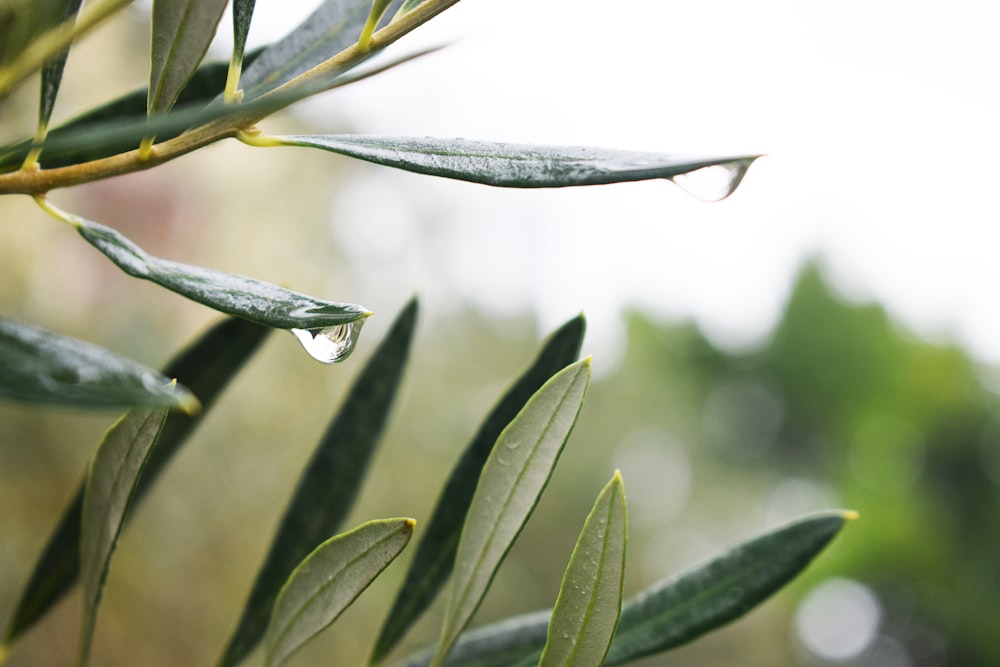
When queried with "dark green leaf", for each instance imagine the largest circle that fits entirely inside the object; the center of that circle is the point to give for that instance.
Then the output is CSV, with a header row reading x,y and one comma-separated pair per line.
x,y
500,644
526,166
109,489
182,31
129,108
674,611
107,133
331,480
329,580
338,324
53,70
44,368
510,485
242,13
682,609
206,367
590,598
334,26
435,554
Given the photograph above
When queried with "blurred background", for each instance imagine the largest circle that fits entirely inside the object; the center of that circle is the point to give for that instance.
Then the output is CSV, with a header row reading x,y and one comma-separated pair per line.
x,y
826,337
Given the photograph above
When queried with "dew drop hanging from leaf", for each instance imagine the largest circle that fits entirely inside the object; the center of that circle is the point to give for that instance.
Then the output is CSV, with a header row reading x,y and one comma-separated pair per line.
x,y
715,182
330,345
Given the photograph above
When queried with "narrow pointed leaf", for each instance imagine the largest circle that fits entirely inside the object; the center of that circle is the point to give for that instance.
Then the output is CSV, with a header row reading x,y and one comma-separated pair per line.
x,y
109,134
334,26
435,555
331,481
676,610
110,486
44,368
329,580
244,297
182,31
53,70
129,108
36,35
242,14
510,485
590,598
520,165
680,610
500,644
206,367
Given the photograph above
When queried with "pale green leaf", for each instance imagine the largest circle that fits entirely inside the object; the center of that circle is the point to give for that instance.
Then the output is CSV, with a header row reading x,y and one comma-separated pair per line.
x,y
329,580
44,368
529,166
672,612
510,485
328,330
590,598
182,31
110,486
435,554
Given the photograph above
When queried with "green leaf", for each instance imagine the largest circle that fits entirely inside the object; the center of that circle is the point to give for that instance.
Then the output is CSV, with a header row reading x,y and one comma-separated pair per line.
x,y
590,598
182,31
435,556
314,321
510,485
242,13
129,108
22,22
680,610
108,492
676,610
330,482
53,70
206,367
107,133
329,580
526,166
40,367
334,26
500,644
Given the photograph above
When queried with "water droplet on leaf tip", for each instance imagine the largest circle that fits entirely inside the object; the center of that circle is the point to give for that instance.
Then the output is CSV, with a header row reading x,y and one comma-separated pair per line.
x,y
329,345
714,182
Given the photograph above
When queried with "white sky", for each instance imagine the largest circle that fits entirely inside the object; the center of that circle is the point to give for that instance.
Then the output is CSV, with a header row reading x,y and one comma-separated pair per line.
x,y
879,119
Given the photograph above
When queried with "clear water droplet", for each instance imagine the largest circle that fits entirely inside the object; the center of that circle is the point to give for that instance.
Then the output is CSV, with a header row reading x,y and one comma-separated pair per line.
x,y
329,345
715,182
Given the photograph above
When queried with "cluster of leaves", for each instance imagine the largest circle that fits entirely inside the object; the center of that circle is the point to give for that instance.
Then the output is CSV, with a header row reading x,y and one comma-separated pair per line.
x,y
309,577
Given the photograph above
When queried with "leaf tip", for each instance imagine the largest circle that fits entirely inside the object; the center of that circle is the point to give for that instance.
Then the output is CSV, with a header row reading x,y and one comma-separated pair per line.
x,y
186,401
850,515
410,524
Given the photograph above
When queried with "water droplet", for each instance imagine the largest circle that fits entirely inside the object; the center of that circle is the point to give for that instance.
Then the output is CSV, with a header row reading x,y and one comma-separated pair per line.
x,y
330,344
714,182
